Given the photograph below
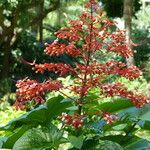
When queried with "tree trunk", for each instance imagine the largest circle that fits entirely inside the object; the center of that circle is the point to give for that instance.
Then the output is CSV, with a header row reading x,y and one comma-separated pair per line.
x,y
8,32
127,14
59,15
5,68
41,22
8,39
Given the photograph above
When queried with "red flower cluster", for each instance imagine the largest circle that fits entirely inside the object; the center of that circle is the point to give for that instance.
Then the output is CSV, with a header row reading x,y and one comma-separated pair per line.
x,y
90,3
113,89
118,36
32,90
131,72
121,49
76,121
56,49
81,89
109,118
118,89
138,100
110,67
70,34
60,68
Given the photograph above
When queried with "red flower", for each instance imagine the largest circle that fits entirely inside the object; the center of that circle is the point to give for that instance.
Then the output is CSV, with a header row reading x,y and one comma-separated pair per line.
x,y
109,118
113,89
118,89
76,121
32,90
60,68
56,49
131,73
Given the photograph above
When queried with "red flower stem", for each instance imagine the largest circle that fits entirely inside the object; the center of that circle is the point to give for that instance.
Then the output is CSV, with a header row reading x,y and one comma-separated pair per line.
x,y
80,101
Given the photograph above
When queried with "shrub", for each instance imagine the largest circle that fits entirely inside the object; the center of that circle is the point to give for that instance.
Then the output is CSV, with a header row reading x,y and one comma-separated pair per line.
x,y
100,112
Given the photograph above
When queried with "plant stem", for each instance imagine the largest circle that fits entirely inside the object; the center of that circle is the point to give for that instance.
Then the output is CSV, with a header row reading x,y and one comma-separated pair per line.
x,y
87,64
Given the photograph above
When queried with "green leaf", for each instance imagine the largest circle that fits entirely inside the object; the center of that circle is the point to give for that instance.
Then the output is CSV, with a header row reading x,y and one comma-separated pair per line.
x,y
89,143
143,133
116,105
73,108
2,140
120,139
144,125
77,142
10,140
39,139
91,96
139,144
108,145
1,143
103,145
138,113
41,115
145,113
36,116
119,127
56,106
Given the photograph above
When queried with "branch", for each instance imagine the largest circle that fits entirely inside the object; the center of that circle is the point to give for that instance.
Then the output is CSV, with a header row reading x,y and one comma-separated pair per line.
x,y
1,17
20,59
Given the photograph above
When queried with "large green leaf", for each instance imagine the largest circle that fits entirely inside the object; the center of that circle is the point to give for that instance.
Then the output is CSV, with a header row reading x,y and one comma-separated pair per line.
x,y
56,106
144,125
145,113
121,139
138,113
2,140
76,142
107,145
138,144
112,106
119,127
41,115
116,105
39,139
1,143
10,140
102,145
123,107
36,116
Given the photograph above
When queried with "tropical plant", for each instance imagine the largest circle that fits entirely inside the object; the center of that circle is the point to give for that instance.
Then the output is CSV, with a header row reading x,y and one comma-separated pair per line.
x,y
100,112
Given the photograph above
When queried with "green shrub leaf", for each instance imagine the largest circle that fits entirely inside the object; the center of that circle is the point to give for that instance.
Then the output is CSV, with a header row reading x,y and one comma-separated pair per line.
x,y
39,139
139,144
103,145
116,105
11,139
41,115
77,142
